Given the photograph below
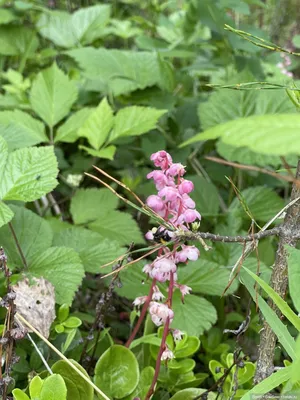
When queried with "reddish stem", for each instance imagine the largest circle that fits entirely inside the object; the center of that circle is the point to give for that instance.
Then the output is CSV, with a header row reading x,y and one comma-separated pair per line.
x,y
163,340
142,316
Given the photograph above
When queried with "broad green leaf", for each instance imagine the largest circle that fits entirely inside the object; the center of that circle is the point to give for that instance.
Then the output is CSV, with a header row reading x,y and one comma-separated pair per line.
x,y
35,387
3,158
52,95
33,233
119,226
206,277
19,129
29,174
97,126
263,203
294,276
92,248
77,388
117,372
268,134
88,204
83,26
296,363
68,132
280,303
187,347
203,191
54,388
118,71
133,284
6,214
17,40
107,152
63,268
270,383
19,395
135,120
184,318
149,339
6,16
191,393
143,386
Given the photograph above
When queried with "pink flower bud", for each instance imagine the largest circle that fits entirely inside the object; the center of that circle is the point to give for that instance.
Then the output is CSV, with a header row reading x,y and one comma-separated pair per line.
x,y
160,313
186,187
161,159
155,202
189,216
149,235
176,169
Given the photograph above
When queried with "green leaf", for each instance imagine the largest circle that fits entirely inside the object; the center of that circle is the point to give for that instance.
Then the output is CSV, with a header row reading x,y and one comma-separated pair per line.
x,y
77,387
270,383
119,226
191,393
68,132
185,314
54,388
21,130
143,386
19,395
92,248
33,233
89,204
29,174
6,16
187,347
268,134
17,40
52,95
117,372
118,71
63,268
133,284
3,158
97,126
132,121
294,276
83,26
205,190
263,203
107,153
35,387
6,214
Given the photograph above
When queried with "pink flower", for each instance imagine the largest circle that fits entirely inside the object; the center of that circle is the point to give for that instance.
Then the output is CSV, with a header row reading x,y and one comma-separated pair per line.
x,y
169,193
189,216
167,355
176,169
185,187
155,202
157,294
147,269
160,313
162,268
139,301
187,201
183,289
177,335
159,178
161,159
149,235
187,252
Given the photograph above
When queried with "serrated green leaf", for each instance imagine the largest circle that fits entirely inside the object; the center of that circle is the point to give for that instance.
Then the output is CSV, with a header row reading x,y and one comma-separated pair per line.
x,y
54,388
135,120
204,190
266,134
263,203
92,248
107,153
118,71
117,372
19,129
88,204
77,388
184,318
63,268
6,214
29,174
133,282
83,26
33,232
52,95
68,132
16,40
119,226
97,126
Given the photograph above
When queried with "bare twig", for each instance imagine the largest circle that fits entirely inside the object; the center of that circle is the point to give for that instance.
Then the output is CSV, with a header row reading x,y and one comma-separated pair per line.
x,y
10,225
279,281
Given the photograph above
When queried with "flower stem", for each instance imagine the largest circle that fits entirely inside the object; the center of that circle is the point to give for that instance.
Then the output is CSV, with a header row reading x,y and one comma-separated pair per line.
x,y
142,316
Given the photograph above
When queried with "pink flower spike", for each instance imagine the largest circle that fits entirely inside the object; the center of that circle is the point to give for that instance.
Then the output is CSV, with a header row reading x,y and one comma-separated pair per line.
x,y
167,355
160,313
161,159
186,187
176,169
139,301
189,216
155,202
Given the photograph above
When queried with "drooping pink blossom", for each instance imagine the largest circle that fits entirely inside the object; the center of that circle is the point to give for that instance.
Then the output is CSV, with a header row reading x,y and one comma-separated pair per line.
x,y
160,313
187,253
167,355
